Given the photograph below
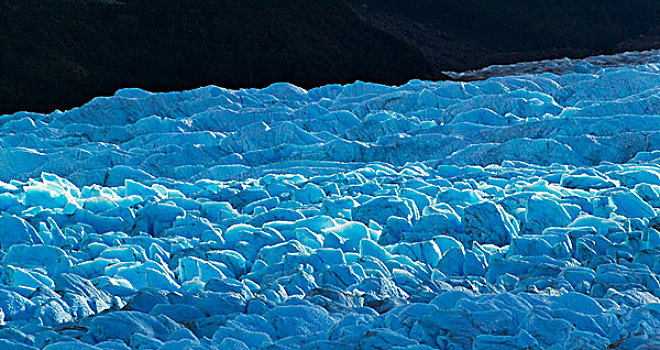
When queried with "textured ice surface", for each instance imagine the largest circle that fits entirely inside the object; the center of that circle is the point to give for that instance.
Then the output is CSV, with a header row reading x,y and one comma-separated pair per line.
x,y
517,212
565,65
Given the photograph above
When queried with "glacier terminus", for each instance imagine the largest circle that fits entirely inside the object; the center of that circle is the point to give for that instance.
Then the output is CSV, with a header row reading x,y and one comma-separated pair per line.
x,y
515,209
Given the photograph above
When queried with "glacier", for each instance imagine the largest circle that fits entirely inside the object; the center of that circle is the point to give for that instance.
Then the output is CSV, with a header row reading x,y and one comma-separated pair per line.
x,y
520,211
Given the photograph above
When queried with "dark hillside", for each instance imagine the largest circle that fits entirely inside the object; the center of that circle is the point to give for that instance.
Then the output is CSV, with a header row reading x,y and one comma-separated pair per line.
x,y
58,54
467,34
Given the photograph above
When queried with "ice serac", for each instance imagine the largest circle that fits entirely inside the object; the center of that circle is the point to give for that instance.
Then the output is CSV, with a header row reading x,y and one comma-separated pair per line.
x,y
514,212
487,222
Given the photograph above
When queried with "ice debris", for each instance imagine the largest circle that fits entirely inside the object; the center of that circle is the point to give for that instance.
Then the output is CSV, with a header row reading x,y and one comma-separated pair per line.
x,y
516,212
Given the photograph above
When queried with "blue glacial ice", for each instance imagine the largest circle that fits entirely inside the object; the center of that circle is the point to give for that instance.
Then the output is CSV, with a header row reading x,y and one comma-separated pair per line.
x,y
515,212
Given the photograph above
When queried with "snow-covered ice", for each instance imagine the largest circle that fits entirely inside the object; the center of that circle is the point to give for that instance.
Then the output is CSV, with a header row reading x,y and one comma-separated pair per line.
x,y
516,212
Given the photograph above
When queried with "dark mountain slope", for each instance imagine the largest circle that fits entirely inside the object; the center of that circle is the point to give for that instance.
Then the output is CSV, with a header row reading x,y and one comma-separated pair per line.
x,y
469,34
61,53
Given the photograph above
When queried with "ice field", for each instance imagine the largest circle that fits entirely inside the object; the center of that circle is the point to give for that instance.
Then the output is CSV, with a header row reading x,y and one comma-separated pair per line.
x,y
516,212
